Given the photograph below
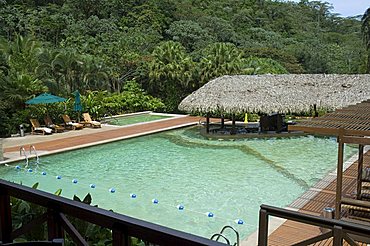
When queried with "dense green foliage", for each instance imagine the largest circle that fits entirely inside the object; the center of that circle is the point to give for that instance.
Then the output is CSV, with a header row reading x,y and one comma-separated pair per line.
x,y
170,48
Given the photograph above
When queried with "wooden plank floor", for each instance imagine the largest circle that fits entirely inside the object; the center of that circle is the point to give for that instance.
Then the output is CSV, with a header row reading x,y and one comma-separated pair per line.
x,y
119,132
292,232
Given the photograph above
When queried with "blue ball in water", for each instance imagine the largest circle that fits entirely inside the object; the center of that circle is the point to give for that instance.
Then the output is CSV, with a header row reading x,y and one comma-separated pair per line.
x,y
210,214
17,167
74,181
92,186
58,177
239,221
29,170
43,173
180,207
155,201
112,190
132,195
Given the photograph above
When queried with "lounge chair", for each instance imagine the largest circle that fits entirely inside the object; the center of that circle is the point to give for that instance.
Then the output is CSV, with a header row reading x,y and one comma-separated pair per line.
x,y
49,123
70,124
36,127
89,122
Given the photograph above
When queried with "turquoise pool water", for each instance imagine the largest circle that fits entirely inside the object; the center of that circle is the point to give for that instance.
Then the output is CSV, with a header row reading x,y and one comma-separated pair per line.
x,y
228,178
133,119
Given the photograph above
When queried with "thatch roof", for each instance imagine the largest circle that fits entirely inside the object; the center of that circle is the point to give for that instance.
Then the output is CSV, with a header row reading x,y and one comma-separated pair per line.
x,y
278,93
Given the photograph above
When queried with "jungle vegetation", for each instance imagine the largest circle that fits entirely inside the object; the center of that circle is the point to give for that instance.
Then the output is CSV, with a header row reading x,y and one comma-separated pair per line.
x,y
129,55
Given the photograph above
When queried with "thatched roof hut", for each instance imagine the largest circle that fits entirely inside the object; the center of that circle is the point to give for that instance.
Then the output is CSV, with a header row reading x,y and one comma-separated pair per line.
x,y
278,93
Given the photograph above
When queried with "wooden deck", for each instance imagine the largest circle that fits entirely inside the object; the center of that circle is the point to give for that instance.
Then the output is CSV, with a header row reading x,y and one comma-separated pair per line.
x,y
293,232
110,135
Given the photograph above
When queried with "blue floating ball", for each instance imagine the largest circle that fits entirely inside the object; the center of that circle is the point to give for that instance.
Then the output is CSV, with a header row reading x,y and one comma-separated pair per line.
x,y
17,167
132,195
58,177
74,181
180,207
92,186
155,201
112,190
210,214
29,170
43,173
239,221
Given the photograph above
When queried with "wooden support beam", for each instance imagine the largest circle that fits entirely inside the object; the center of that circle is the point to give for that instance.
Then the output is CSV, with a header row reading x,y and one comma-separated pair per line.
x,y
338,196
337,236
359,169
263,228
72,231
54,227
207,123
5,217
120,238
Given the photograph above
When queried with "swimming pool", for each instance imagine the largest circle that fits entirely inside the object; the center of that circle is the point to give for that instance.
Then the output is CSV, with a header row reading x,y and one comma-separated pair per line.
x,y
181,169
136,118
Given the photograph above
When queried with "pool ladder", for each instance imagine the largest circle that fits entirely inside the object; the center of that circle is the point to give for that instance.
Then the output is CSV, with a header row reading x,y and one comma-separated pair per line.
x,y
22,151
217,236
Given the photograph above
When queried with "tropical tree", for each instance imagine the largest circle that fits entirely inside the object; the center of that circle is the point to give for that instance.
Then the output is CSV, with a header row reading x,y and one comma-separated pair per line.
x,y
67,66
221,59
21,54
94,75
265,65
171,73
366,35
190,34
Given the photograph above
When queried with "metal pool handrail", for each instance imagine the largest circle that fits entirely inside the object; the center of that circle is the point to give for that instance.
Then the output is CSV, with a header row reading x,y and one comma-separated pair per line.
x,y
32,148
23,150
123,227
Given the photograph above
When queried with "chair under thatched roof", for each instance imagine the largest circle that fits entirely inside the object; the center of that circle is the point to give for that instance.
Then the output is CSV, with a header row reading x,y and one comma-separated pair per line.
x,y
278,93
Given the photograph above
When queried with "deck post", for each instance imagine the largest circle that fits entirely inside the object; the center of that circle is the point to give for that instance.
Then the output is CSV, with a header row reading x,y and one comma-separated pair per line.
x,y
316,114
207,123
337,236
233,124
119,238
222,121
5,217
338,196
359,169
55,229
263,228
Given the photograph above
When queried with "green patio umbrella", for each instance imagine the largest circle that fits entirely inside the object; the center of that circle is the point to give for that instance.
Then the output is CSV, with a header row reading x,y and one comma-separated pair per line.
x,y
77,106
45,98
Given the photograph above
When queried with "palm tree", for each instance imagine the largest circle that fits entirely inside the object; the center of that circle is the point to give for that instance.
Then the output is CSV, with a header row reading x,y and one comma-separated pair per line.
x,y
220,59
365,28
94,74
21,54
67,65
171,73
171,66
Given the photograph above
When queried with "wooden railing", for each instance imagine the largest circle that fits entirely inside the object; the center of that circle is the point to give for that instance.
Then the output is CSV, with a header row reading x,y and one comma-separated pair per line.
x,y
123,227
339,230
